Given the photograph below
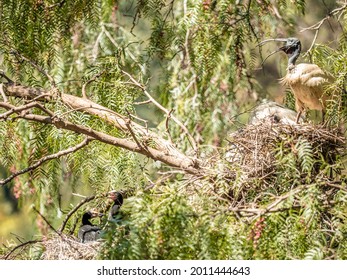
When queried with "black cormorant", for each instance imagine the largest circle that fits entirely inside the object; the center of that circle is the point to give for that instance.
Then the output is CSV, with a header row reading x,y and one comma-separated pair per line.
x,y
117,198
89,232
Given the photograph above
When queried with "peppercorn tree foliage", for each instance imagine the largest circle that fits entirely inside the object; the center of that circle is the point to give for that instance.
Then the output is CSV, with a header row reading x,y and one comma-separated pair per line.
x,y
140,96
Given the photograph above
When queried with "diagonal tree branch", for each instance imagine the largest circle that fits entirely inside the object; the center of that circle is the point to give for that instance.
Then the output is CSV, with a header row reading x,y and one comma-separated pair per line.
x,y
84,143
121,122
15,109
183,162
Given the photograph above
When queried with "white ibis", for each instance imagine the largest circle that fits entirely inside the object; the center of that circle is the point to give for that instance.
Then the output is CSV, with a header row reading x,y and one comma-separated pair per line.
x,y
89,232
306,80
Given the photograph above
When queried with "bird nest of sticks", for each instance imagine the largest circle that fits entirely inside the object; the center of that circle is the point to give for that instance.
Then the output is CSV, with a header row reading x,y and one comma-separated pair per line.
x,y
64,247
258,154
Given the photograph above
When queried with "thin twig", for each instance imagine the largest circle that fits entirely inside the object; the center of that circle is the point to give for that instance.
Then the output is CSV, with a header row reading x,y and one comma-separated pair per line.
x,y
81,203
142,102
84,94
178,122
15,109
167,126
318,25
334,185
20,246
37,67
2,74
46,158
60,4
272,207
4,97
128,124
96,48
138,118
47,222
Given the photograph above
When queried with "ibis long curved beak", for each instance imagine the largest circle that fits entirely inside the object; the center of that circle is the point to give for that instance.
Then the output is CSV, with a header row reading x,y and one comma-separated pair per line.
x,y
262,43
276,51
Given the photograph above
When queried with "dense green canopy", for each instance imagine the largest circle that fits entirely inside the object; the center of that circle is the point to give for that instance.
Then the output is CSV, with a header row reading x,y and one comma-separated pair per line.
x,y
141,97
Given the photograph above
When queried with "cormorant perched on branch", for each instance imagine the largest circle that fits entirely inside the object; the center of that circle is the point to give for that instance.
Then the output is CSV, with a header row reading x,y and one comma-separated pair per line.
x,y
89,232
117,198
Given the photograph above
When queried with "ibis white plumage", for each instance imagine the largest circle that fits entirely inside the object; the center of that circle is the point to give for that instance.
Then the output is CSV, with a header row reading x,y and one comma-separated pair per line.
x,y
307,81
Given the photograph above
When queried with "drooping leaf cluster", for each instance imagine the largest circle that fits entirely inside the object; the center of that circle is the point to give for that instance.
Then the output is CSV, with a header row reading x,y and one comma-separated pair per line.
x,y
198,59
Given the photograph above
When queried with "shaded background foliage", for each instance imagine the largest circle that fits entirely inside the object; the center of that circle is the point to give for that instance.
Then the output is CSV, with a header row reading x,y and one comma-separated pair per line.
x,y
200,60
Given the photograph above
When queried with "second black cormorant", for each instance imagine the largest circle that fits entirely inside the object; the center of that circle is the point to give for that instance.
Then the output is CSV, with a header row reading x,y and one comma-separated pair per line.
x,y
117,198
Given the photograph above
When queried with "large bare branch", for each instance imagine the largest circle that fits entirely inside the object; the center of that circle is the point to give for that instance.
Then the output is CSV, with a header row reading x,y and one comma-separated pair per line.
x,y
162,146
182,162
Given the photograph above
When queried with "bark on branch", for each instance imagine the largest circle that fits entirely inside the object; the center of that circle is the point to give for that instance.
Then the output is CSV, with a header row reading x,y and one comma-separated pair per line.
x,y
162,151
164,147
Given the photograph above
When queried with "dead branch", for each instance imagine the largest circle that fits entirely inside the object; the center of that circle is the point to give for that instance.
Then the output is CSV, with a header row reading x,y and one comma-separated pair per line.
x,y
2,92
182,162
46,158
15,109
84,94
142,102
133,134
167,125
316,27
87,106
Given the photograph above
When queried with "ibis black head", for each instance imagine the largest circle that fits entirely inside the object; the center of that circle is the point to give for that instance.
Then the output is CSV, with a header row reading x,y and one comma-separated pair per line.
x,y
117,197
292,48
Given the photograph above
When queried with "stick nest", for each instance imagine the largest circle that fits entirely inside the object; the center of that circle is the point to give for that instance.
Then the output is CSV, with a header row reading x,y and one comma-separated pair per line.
x,y
258,155
69,248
